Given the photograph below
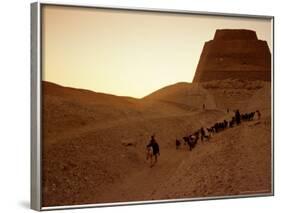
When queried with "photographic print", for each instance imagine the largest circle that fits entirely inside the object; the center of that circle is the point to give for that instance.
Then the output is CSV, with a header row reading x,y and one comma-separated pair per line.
x,y
147,106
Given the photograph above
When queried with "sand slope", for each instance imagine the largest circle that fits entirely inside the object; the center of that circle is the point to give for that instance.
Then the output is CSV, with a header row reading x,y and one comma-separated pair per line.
x,y
94,144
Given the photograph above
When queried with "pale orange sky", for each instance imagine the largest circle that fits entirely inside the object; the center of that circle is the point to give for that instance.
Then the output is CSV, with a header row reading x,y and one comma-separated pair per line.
x,y
129,53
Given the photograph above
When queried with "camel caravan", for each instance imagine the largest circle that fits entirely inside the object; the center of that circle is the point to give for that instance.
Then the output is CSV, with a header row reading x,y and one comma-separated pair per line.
x,y
206,133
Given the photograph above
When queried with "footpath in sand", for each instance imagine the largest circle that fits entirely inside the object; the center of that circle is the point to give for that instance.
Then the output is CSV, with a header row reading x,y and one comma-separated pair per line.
x,y
235,161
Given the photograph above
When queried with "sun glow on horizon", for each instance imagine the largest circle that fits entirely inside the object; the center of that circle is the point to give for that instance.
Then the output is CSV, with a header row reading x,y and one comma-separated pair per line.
x,y
128,53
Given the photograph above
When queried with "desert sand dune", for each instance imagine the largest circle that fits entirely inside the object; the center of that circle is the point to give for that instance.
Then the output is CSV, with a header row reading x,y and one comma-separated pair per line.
x,y
188,94
94,144
210,170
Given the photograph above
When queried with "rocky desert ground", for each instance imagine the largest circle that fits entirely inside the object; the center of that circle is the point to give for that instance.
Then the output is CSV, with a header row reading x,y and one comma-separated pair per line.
x,y
94,144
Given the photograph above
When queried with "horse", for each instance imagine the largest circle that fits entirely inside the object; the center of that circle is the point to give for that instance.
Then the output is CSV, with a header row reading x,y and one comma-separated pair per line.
x,y
191,140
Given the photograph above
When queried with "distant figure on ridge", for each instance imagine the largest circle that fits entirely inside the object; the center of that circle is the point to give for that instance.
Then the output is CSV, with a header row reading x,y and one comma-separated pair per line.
x,y
204,106
155,150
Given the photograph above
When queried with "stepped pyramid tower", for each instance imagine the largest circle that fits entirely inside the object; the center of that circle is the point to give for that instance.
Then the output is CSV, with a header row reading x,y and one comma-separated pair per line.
x,y
236,54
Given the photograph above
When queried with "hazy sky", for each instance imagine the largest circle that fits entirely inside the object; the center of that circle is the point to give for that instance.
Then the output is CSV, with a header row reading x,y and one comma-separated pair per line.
x,y
129,53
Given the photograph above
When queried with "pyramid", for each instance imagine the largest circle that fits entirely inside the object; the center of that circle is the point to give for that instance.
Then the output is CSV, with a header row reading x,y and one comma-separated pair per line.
x,y
235,54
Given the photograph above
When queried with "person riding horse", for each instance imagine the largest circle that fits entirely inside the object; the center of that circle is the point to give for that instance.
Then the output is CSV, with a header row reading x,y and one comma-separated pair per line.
x,y
154,150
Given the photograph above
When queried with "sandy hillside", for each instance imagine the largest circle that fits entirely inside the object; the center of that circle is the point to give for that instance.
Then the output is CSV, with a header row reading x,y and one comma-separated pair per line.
x,y
94,144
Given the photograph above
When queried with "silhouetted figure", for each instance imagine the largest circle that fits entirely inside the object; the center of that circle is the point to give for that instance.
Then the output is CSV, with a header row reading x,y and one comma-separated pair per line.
x,y
227,110
237,117
225,124
204,106
155,150
178,143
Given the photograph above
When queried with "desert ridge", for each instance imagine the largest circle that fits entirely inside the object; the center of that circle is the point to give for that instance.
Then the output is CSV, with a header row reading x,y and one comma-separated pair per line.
x,y
94,144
